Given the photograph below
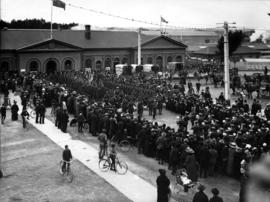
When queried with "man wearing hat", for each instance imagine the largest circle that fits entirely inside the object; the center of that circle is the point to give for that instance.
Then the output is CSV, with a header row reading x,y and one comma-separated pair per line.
x,y
103,147
200,196
81,121
215,197
64,121
14,111
163,187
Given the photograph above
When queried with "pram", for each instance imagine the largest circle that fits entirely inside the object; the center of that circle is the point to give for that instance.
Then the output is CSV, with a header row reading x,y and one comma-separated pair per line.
x,y
184,182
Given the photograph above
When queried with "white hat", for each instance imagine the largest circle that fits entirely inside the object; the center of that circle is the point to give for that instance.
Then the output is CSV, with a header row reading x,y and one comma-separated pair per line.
x,y
248,146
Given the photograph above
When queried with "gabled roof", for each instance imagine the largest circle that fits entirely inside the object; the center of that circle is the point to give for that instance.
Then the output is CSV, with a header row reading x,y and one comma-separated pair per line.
x,y
47,41
213,50
14,39
258,46
165,38
246,50
185,32
210,50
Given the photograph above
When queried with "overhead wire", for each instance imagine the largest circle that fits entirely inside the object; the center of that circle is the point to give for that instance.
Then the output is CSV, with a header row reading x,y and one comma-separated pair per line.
x,y
168,26
139,21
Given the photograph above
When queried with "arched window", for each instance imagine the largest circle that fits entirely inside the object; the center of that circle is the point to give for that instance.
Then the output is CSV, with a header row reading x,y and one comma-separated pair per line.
x,y
88,63
4,66
116,61
159,63
98,65
68,65
51,67
169,59
108,62
179,58
124,60
33,66
149,60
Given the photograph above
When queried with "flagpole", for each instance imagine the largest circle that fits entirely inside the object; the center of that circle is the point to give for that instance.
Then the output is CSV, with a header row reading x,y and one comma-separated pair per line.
x,y
160,26
51,18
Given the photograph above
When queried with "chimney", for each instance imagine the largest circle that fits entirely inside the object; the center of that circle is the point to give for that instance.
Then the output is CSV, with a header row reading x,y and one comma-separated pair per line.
x,y
88,32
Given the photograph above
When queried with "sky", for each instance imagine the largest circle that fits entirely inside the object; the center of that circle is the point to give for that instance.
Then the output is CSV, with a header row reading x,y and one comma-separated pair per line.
x,y
182,13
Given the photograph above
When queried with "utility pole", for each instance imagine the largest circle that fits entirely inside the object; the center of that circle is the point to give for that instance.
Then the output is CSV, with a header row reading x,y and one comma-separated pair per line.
x,y
139,46
226,62
1,173
226,59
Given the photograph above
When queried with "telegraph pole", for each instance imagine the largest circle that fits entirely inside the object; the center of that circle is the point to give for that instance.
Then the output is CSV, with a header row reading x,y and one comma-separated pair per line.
x,y
1,173
226,62
139,46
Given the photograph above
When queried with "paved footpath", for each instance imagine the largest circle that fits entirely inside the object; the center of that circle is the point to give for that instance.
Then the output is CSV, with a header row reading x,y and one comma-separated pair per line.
x,y
132,186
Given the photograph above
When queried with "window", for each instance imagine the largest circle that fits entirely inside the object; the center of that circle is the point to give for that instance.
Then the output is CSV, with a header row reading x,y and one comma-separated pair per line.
x,y
98,65
88,63
179,58
124,60
149,60
33,66
108,62
4,66
159,63
169,59
68,65
207,40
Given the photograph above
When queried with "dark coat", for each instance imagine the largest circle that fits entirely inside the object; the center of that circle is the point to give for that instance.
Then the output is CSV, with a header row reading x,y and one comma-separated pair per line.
x,y
192,167
163,188
200,197
216,199
67,155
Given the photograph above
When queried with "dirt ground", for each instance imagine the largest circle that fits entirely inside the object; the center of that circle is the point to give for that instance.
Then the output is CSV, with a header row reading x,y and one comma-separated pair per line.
x,y
30,163
147,169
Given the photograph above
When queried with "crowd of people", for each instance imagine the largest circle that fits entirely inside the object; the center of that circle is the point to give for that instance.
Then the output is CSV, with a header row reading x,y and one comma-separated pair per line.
x,y
212,136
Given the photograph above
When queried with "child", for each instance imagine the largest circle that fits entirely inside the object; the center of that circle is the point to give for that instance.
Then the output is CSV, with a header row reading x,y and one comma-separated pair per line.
x,y
112,156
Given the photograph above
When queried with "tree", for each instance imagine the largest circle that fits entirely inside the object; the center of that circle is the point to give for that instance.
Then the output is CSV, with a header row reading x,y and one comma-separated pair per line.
x,y
34,24
235,40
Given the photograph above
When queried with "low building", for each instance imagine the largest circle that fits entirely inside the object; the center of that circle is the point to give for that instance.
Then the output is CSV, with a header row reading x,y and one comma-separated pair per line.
x,y
212,52
34,50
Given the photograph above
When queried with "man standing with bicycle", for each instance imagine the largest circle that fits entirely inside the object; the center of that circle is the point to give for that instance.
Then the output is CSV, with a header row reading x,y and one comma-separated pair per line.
x,y
103,147
67,156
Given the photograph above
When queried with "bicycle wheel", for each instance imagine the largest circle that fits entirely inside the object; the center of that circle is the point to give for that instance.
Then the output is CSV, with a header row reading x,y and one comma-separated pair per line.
x,y
104,165
121,167
124,145
86,127
69,176
113,139
60,170
33,114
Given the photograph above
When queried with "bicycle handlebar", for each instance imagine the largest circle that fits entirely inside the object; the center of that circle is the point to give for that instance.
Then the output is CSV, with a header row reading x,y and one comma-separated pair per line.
x,y
66,161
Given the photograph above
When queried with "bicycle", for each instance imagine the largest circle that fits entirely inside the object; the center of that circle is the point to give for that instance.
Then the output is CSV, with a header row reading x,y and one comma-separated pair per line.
x,y
85,127
120,166
126,144
32,112
67,171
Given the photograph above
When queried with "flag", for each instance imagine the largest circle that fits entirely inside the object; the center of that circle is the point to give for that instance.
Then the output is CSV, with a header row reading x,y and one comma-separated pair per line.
x,y
163,20
59,4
